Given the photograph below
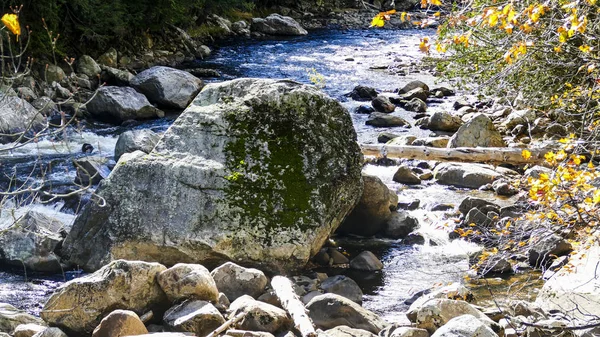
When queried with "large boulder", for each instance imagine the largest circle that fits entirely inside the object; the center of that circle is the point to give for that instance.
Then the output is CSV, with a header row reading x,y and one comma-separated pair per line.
x,y
79,305
18,117
276,24
373,211
32,241
198,317
465,326
11,317
256,171
465,174
260,316
120,323
188,281
143,140
118,104
479,131
168,87
235,281
329,311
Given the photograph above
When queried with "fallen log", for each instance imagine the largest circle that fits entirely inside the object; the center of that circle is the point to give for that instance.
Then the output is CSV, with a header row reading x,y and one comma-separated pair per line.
x,y
284,291
495,155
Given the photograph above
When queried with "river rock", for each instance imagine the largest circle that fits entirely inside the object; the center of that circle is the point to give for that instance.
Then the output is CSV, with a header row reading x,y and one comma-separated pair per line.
x,y
383,104
18,117
260,316
79,305
32,242
27,94
519,117
438,142
405,175
87,65
379,119
435,313
399,140
405,331
343,286
545,246
374,208
168,87
120,323
276,24
413,85
226,174
400,225
414,105
454,291
419,93
51,332
114,76
465,175
45,105
143,140
536,171
469,203
346,331
198,317
363,93
54,73
188,281
91,170
329,311
235,281
109,58
120,104
479,131
11,317
465,326
365,109
28,330
443,121
366,261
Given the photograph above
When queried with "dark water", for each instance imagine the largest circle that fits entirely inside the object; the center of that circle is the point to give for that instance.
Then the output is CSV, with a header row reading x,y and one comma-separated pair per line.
x,y
344,59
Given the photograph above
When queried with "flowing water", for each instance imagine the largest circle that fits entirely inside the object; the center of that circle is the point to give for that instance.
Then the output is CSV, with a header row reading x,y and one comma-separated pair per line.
x,y
344,59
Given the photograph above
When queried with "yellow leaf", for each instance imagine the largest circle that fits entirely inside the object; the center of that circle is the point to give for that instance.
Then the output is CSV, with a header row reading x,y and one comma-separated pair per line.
x,y
585,48
493,19
526,154
378,21
437,14
423,3
403,16
11,21
435,2
424,45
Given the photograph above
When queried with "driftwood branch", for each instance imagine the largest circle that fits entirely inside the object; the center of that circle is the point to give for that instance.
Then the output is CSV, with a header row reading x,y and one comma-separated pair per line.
x,y
227,325
284,291
495,155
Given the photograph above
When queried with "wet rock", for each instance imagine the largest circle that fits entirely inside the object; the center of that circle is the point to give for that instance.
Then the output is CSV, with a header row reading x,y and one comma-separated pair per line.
x,y
477,132
442,207
438,142
114,76
91,170
240,27
479,218
86,65
168,87
405,175
28,330
414,239
555,267
46,106
143,140
120,323
465,326
109,58
79,305
414,105
544,247
444,91
402,140
276,24
237,185
198,317
400,225
337,257
31,242
365,109
454,291
51,332
413,85
405,331
378,119
493,265
410,205
188,281
18,117
374,208
345,331
363,93
11,317
469,203
235,281
385,137
536,171
419,93
366,261
343,286
465,175
436,312
120,104
461,103
383,104
503,187
443,121
204,73
329,311
260,316
27,94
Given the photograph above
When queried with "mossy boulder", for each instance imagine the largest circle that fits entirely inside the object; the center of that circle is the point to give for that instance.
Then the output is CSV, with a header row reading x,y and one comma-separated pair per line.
x,y
256,171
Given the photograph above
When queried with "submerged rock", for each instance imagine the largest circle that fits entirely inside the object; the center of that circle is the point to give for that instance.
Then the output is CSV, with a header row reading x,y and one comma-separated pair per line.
x,y
168,87
257,171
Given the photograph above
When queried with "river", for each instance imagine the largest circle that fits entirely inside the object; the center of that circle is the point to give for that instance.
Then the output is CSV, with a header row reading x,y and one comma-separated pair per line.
x,y
344,59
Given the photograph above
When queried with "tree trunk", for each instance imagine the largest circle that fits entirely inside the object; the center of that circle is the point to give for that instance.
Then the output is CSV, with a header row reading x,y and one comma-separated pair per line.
x,y
291,303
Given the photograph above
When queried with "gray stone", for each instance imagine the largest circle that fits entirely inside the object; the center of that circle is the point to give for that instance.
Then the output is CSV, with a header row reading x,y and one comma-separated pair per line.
x,y
465,175
11,318
54,73
363,93
519,117
378,119
469,203
405,331
405,175
18,117
28,330
433,314
438,142
419,93
260,316
383,104
465,326
183,281
235,281
276,24
27,94
168,87
120,104
477,132
400,225
91,170
120,323
79,305
143,140
536,171
32,241
45,105
373,210
345,331
545,246
343,286
329,311
114,76
400,140
504,187
413,85
414,105
366,261
51,332
198,317
87,65
109,58
443,121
